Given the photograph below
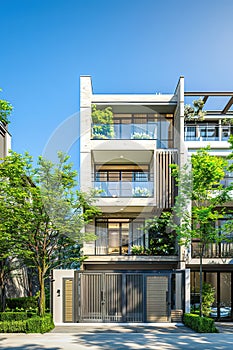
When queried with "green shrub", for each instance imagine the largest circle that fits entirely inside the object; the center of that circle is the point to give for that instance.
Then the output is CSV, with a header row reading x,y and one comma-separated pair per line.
x,y
24,303
15,316
34,324
200,324
39,324
13,326
208,297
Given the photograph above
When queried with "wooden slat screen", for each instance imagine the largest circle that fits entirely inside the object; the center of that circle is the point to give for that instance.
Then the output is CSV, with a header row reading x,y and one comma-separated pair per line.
x,y
165,184
68,302
157,289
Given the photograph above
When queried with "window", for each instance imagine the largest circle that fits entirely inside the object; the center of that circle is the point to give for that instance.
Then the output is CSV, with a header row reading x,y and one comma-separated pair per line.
x,y
117,236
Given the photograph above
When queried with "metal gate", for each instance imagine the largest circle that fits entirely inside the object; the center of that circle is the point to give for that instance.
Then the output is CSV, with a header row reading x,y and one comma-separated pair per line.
x,y
101,297
123,297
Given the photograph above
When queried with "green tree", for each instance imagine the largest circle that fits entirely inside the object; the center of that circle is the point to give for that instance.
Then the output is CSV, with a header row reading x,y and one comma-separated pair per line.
x,y
10,219
102,120
200,202
208,293
48,213
194,112
162,240
5,110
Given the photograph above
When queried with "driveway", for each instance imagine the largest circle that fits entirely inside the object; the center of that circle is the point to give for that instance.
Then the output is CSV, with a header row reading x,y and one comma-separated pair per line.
x,y
118,338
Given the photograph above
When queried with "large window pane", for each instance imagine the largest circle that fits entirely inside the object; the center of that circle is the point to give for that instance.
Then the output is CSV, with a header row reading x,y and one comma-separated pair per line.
x,y
113,241
225,294
102,238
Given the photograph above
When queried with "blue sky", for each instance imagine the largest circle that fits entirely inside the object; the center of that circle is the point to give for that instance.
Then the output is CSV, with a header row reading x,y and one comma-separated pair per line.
x,y
125,45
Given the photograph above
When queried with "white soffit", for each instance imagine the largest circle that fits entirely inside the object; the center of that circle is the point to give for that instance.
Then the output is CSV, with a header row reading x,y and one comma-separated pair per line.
x,y
143,157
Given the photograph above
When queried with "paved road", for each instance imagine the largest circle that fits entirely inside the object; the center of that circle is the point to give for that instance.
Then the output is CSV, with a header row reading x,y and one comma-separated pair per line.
x,y
118,338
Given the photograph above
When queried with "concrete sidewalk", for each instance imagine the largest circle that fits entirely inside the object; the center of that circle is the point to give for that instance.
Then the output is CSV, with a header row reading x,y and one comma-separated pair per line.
x,y
118,337
116,341
122,328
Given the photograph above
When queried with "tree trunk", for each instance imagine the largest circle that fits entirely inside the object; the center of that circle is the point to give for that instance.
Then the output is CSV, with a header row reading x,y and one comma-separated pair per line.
x,y
3,297
41,301
2,290
201,279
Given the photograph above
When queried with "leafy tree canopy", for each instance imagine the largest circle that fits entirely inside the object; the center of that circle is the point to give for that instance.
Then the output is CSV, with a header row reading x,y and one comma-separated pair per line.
x,y
45,212
5,110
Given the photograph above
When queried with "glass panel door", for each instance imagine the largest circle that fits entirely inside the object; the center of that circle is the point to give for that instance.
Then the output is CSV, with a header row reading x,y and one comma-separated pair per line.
x,y
225,295
114,238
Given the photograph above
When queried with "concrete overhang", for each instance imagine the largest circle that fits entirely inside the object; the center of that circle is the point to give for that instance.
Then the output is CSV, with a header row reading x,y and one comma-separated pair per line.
x,y
156,103
122,155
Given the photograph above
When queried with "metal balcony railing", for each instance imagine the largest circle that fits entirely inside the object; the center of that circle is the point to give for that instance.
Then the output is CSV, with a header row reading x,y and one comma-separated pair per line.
x,y
197,132
213,250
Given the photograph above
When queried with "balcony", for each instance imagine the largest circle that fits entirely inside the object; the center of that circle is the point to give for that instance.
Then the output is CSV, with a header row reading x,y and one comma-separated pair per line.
x,y
213,250
162,132
198,132
122,236
124,131
124,189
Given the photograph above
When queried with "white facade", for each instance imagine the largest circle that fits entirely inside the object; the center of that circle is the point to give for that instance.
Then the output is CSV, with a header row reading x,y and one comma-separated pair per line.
x,y
127,161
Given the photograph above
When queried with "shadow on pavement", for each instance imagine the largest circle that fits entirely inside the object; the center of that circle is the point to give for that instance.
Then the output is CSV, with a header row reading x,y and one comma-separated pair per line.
x,y
27,347
153,341
95,329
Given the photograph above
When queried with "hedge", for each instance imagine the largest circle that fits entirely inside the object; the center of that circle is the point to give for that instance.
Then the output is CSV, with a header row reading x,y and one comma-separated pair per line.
x,y
200,324
39,324
33,324
15,316
24,303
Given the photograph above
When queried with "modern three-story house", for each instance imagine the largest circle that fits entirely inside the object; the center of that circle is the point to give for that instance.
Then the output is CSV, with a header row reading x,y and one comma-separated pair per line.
x,y
126,160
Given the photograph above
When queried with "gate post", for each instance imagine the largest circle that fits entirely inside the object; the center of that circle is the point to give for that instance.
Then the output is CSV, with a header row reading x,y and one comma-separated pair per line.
x,y
123,297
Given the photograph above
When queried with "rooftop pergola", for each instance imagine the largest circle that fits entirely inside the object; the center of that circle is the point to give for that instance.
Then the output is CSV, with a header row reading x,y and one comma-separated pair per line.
x,y
208,94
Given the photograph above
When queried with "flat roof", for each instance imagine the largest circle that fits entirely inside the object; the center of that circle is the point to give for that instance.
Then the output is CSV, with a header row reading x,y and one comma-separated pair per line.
x,y
206,94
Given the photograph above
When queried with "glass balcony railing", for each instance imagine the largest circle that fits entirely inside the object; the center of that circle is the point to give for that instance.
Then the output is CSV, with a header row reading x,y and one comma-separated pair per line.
x,y
124,188
125,131
207,132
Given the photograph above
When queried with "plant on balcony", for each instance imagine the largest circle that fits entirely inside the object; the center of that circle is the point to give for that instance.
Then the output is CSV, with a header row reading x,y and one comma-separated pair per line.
x,y
141,192
162,240
195,112
102,120
99,192
227,121
140,136
139,250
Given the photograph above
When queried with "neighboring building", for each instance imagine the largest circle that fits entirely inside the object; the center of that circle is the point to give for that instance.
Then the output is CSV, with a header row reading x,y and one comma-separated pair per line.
x,y
214,130
128,162
17,285
5,140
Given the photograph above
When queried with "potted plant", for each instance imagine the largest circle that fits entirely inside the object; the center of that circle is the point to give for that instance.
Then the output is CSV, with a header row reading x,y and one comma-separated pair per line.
x,y
141,192
139,250
140,136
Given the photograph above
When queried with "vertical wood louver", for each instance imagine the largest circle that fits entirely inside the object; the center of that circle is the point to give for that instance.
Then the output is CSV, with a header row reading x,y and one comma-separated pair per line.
x,y
68,300
156,298
165,184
